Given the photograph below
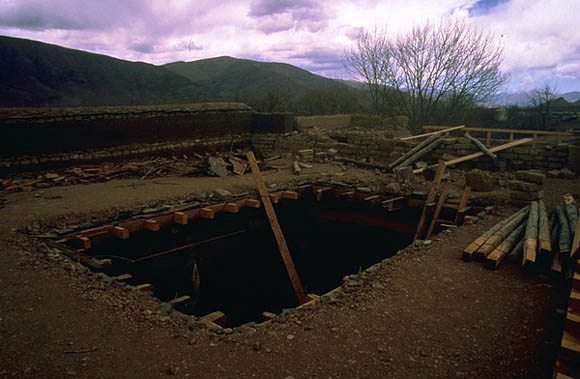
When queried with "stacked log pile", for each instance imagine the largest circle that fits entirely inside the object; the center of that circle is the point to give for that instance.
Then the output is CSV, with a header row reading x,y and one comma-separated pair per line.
x,y
529,234
526,187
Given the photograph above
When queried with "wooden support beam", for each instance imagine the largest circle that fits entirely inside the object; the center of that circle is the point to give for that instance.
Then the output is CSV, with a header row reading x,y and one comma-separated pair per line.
x,y
144,287
217,317
123,277
412,152
275,197
180,218
430,198
206,213
319,193
462,206
442,198
286,257
494,258
543,228
179,300
479,241
349,195
394,203
481,146
292,195
76,255
151,225
120,232
496,238
253,203
231,208
531,237
433,133
85,242
479,154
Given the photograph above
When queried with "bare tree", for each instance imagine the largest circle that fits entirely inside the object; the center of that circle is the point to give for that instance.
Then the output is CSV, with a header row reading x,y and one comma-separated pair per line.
x,y
448,65
541,100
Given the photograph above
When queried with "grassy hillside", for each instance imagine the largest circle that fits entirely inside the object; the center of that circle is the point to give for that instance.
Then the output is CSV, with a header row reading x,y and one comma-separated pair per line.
x,y
39,74
229,78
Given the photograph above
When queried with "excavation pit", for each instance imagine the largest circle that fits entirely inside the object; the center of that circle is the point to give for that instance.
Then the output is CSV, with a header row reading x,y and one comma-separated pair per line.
x,y
224,257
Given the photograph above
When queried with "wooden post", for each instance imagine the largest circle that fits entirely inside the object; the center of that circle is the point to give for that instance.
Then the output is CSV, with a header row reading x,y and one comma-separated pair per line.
x,y
286,257
430,198
531,236
544,228
462,205
496,256
511,137
442,198
535,140
488,139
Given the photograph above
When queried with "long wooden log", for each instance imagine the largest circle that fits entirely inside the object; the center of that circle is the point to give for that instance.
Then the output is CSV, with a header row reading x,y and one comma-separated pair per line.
x,y
564,237
430,198
410,153
575,248
543,228
531,237
572,216
279,236
432,133
479,154
554,235
479,241
498,237
515,252
481,146
415,157
498,254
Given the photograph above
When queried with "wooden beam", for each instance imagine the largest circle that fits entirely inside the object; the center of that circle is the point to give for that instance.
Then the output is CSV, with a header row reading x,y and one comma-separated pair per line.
x,y
275,197
231,208
206,213
442,197
123,277
286,257
253,203
292,195
432,133
77,255
501,130
461,207
543,228
180,218
144,287
151,225
319,192
480,154
120,232
347,195
394,203
430,198
85,242
216,317
179,300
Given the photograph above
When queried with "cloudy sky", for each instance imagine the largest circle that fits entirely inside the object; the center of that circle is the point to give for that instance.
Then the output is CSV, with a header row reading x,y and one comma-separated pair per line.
x,y
540,38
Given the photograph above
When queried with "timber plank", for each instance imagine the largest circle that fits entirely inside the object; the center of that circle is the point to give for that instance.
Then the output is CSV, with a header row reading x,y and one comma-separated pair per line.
x,y
269,209
442,198
430,198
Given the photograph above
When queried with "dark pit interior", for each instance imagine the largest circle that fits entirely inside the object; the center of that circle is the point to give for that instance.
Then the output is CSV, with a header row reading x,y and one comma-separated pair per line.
x,y
239,268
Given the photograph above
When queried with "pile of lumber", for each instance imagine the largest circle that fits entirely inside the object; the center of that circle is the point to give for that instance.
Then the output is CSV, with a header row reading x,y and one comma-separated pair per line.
x,y
528,234
196,165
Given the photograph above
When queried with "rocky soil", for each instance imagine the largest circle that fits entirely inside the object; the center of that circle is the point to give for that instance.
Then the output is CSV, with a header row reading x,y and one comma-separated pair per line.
x,y
421,313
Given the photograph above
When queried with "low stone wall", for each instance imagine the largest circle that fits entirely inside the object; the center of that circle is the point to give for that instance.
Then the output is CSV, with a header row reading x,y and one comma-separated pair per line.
x,y
523,157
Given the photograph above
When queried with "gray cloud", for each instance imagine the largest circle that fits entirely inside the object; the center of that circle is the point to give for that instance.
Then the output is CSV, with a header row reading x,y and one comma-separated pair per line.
x,y
67,15
322,61
260,8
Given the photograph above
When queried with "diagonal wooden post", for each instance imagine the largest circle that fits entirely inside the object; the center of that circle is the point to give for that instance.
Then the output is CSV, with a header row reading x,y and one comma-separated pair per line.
x,y
280,240
430,198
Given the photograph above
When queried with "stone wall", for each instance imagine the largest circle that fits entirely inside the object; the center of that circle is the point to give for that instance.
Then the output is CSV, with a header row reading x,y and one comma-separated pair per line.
x,y
523,157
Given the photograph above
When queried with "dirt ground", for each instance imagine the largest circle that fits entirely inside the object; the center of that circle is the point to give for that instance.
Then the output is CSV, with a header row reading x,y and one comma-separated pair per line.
x,y
422,313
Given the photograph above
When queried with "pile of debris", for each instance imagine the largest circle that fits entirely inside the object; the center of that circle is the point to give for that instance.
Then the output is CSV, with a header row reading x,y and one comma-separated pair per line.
x,y
530,234
197,165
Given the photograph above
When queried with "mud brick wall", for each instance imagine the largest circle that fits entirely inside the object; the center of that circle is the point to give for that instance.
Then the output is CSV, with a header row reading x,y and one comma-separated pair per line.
x,y
523,157
187,146
70,132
